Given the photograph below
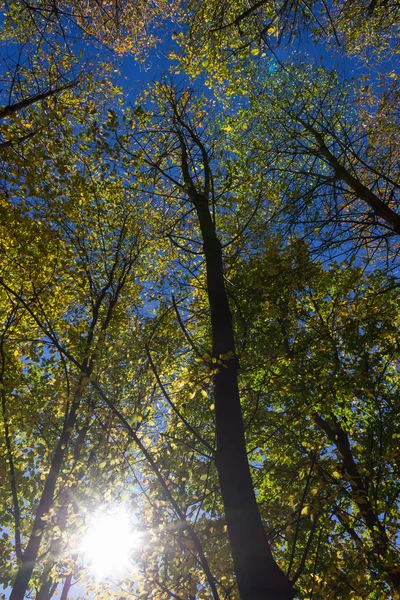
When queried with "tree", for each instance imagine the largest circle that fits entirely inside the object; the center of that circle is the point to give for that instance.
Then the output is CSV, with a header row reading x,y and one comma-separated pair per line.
x,y
228,31
319,398
177,334
73,321
304,132
257,574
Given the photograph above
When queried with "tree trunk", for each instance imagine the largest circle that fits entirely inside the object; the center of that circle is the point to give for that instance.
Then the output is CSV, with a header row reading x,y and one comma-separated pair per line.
x,y
67,587
45,592
30,555
258,575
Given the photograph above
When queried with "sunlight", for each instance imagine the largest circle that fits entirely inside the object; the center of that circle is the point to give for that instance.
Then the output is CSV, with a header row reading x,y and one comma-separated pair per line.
x,y
109,541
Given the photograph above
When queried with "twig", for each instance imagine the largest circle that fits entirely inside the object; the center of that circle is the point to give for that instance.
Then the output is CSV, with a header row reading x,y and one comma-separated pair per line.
x,y
185,331
174,407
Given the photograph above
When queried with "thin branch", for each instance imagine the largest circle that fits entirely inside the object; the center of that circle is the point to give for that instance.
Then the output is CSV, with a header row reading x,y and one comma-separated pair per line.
x,y
305,492
167,492
7,111
185,331
174,407
10,143
165,589
306,551
66,587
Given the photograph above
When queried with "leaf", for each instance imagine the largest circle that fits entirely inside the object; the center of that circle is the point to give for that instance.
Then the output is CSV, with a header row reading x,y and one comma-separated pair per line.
x,y
305,510
56,532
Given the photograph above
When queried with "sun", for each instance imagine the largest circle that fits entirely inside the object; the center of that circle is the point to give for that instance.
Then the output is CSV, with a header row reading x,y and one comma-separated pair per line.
x,y
108,543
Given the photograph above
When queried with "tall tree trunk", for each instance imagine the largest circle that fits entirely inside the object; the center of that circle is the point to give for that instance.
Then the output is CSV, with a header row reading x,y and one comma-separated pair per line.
x,y
258,575
30,555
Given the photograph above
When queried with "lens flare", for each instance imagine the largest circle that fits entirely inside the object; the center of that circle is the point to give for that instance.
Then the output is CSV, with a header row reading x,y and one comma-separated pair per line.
x,y
108,542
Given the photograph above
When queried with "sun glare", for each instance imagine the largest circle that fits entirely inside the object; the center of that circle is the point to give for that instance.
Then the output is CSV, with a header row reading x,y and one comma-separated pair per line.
x,y
109,541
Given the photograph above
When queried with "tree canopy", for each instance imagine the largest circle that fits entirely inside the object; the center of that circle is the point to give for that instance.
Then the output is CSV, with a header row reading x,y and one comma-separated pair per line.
x,y
199,300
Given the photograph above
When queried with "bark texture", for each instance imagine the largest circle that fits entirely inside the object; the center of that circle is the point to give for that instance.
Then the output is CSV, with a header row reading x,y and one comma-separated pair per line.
x,y
258,575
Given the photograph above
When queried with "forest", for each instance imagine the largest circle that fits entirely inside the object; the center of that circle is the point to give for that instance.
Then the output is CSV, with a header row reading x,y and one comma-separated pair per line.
x,y
199,300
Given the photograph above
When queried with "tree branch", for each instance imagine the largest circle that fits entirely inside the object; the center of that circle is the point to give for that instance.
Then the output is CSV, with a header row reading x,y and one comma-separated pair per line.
x,y
174,407
189,528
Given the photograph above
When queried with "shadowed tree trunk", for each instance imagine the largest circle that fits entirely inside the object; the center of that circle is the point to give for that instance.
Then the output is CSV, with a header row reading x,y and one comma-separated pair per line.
x,y
258,575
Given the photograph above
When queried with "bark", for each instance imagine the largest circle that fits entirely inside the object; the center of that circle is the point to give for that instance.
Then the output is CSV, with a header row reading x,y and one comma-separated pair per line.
x,y
66,588
66,496
381,209
257,573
